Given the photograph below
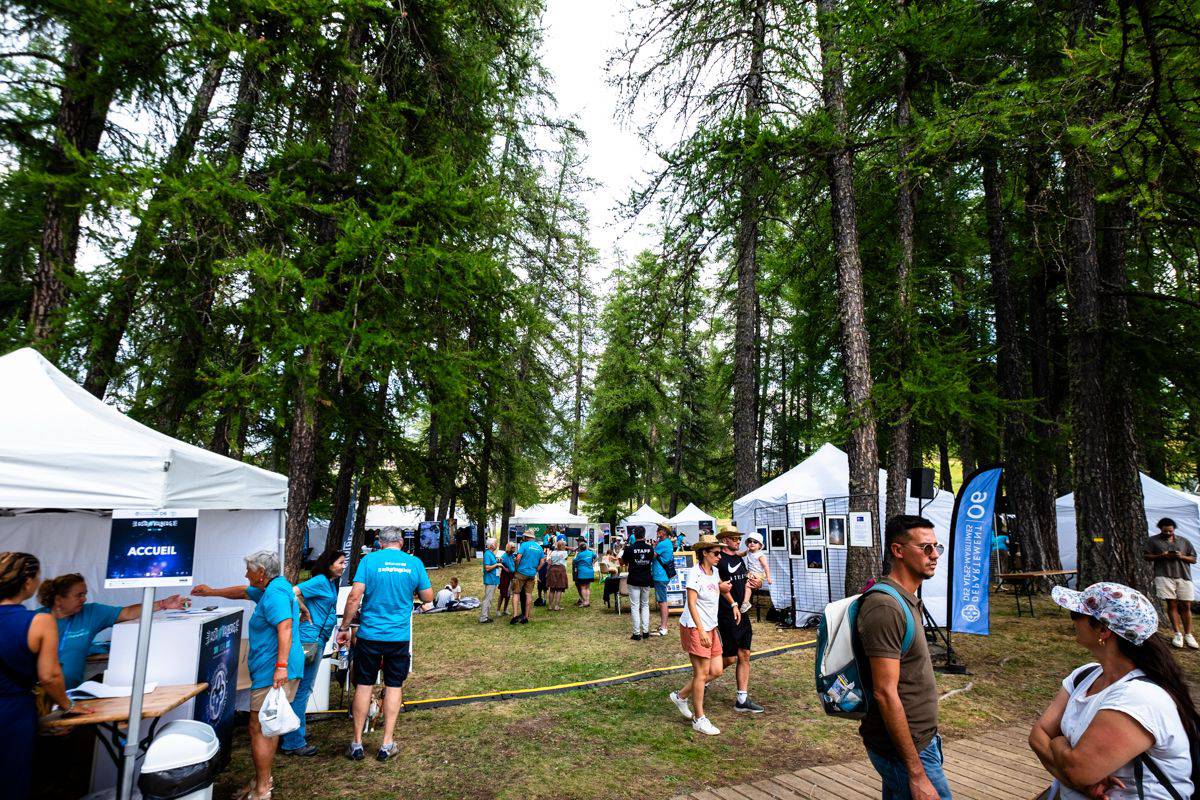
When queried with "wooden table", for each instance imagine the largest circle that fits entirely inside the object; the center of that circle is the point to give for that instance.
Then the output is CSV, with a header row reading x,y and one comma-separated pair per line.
x,y
110,713
1022,583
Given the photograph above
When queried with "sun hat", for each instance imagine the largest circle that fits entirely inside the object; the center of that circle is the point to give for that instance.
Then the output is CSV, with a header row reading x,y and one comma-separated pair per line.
x,y
705,542
727,532
754,537
529,535
1127,612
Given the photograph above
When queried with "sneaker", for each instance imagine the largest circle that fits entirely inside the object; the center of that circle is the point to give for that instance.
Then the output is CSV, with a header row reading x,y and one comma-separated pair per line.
x,y
702,725
524,620
485,621
514,620
749,706
355,752
1191,642
637,637
304,752
746,606
1177,640
386,752
660,632
682,705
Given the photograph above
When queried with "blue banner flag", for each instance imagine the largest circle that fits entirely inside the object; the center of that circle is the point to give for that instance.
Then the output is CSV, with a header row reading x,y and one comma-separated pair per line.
x,y
971,550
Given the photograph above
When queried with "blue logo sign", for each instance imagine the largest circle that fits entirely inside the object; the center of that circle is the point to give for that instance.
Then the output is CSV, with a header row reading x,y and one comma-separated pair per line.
x,y
974,511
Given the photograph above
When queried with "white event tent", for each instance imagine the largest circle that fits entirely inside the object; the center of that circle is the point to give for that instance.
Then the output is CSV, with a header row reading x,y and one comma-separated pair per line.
x,y
1160,501
67,459
645,516
548,514
403,517
824,476
688,522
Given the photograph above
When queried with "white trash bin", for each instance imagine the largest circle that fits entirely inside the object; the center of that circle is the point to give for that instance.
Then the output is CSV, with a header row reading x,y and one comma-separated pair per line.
x,y
181,762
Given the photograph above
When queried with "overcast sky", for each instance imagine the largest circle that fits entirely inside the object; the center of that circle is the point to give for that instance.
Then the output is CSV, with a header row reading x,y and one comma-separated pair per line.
x,y
579,37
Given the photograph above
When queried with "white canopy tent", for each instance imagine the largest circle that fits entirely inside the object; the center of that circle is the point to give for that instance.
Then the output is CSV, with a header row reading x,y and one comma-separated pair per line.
x,y
403,517
549,514
645,516
688,522
67,459
1160,501
825,476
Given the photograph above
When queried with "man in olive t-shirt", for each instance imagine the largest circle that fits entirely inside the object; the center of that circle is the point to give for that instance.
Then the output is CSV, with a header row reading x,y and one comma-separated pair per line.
x,y
1172,557
900,729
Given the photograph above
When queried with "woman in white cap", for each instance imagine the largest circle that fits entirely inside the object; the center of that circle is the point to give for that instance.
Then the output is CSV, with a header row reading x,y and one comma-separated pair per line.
x,y
1123,724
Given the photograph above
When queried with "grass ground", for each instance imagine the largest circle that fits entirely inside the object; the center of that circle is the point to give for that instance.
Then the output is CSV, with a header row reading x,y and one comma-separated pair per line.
x,y
627,741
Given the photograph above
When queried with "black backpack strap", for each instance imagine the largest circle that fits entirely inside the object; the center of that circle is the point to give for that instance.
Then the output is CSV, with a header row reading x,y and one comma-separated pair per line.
x,y
1081,677
1156,770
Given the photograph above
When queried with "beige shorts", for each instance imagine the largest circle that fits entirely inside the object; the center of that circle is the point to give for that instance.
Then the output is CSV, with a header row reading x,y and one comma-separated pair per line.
x,y
257,696
1174,589
521,583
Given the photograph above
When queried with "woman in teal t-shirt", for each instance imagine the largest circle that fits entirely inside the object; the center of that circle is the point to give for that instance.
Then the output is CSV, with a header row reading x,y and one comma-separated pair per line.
x,y
584,567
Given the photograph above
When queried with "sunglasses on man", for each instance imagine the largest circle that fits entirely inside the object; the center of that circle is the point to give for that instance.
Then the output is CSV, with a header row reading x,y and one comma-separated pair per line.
x,y
928,549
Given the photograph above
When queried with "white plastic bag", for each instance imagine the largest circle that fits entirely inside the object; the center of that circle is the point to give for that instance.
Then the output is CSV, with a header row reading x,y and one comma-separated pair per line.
x,y
276,716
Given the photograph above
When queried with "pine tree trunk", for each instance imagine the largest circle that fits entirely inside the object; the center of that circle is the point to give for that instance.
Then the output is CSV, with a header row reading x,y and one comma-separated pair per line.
x,y
745,391
945,480
82,114
862,563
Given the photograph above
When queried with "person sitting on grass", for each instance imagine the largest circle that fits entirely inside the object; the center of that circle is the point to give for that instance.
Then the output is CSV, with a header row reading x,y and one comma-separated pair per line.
x,y
1122,726
698,631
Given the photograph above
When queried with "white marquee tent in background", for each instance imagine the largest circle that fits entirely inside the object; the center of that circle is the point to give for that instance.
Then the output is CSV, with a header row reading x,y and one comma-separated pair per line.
x,y
824,476
549,514
688,522
67,459
645,516
1160,501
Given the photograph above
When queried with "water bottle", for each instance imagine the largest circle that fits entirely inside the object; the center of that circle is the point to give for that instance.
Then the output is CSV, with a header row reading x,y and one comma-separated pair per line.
x,y
343,661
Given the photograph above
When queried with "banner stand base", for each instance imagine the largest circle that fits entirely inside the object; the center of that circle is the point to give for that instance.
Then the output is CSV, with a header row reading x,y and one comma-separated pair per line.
x,y
933,633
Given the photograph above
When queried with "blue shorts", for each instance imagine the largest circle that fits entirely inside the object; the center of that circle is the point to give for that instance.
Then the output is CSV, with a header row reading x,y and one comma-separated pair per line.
x,y
660,591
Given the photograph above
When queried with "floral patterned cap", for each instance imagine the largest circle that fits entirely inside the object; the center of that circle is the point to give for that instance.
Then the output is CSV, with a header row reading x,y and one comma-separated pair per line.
x,y
1125,611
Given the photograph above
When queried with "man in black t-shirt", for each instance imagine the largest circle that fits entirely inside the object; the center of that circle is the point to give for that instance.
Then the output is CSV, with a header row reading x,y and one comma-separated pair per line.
x,y
736,632
638,557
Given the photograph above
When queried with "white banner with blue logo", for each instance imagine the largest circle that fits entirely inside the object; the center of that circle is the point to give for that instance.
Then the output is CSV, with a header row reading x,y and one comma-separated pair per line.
x,y
974,514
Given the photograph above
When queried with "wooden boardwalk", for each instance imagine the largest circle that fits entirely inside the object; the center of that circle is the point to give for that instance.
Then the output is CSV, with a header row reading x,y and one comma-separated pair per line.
x,y
997,765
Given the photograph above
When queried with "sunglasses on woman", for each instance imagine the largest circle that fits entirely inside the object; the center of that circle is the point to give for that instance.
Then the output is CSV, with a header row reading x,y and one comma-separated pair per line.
x,y
928,549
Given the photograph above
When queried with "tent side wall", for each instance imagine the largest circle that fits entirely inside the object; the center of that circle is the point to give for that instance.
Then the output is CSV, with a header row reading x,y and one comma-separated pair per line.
x,y
1187,522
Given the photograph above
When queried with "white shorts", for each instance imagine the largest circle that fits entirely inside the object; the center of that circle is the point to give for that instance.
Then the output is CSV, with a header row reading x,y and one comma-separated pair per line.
x,y
1174,589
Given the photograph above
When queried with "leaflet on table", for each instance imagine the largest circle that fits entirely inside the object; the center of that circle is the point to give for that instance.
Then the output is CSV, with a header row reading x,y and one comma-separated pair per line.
x,y
89,690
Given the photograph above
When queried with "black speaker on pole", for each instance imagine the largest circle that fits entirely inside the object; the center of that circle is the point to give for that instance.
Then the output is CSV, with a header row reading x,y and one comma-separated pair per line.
x,y
920,483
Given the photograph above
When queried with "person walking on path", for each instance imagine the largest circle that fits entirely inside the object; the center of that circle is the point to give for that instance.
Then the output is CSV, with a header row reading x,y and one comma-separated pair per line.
x,y
584,567
1172,557
699,634
28,658
508,568
383,589
318,617
737,634
900,729
638,556
491,579
529,559
664,554
1121,727
556,575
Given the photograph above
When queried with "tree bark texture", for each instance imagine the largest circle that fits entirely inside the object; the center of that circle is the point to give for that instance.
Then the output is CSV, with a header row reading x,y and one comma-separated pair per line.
x,y
862,563
745,391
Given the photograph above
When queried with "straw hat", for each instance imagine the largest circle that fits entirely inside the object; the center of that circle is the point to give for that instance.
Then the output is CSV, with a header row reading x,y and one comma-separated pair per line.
x,y
728,532
705,542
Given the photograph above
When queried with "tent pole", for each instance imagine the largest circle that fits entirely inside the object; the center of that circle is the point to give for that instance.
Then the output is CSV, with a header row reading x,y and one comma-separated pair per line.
x,y
133,737
281,537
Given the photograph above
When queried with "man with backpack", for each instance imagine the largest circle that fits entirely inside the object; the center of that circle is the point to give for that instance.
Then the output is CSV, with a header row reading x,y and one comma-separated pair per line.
x,y
900,727
662,571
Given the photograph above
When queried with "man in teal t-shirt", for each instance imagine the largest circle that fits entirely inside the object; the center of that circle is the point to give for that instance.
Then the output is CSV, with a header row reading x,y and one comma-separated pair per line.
x,y
384,585
529,558
664,553
584,566
491,579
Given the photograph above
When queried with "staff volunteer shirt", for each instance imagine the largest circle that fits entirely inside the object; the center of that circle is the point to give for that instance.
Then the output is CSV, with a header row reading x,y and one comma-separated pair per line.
x,y
530,555
639,556
391,578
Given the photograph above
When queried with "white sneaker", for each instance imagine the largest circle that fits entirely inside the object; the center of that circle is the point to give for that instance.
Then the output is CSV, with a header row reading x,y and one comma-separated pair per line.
x,y
1177,640
702,725
682,705
1191,642
660,632
746,606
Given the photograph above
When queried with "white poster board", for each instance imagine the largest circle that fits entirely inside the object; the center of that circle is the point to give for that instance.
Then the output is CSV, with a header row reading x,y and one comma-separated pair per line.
x,y
861,534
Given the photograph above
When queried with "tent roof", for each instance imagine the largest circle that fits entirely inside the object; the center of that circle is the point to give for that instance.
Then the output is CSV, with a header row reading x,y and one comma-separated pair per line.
x,y
645,515
826,473
691,514
547,514
394,517
63,448
1157,497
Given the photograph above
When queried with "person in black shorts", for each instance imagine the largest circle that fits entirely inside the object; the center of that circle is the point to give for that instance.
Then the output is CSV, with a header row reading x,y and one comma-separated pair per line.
x,y
734,626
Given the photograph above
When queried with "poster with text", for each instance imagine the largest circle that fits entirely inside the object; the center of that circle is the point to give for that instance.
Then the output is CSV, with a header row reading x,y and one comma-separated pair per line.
x,y
677,586
220,647
151,548
861,534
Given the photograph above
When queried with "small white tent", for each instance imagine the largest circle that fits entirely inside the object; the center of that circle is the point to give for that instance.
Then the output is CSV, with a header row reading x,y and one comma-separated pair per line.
x,y
688,522
1160,501
825,476
645,516
404,517
72,458
549,514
